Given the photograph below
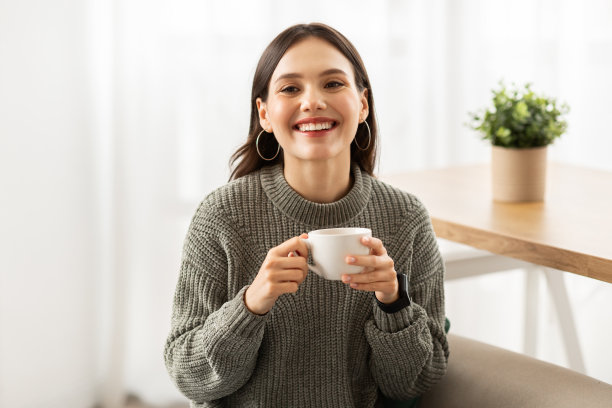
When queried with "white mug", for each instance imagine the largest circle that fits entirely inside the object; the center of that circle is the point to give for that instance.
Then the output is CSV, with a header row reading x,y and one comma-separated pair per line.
x,y
330,247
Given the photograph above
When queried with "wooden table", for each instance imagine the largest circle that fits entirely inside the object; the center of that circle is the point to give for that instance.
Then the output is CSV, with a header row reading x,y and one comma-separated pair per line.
x,y
570,231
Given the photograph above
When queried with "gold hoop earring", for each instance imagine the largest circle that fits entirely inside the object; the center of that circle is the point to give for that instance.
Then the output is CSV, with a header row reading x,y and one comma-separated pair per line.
x,y
259,153
369,138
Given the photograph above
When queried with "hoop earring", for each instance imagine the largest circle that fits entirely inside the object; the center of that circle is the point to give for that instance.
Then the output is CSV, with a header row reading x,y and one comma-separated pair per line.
x,y
369,138
259,153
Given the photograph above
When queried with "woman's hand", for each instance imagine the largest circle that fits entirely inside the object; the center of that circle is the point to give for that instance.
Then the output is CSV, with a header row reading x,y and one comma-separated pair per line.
x,y
379,275
283,270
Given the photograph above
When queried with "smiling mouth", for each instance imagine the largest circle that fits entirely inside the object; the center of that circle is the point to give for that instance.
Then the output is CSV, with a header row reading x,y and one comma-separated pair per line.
x,y
313,127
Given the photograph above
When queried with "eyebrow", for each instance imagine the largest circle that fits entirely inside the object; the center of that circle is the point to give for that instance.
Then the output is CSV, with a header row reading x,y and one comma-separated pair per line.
x,y
330,71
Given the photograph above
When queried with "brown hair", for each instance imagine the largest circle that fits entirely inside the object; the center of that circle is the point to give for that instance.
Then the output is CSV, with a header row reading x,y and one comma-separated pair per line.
x,y
246,160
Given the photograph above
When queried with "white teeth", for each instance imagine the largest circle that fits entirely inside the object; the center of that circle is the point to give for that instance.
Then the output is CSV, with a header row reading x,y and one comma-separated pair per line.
x,y
309,127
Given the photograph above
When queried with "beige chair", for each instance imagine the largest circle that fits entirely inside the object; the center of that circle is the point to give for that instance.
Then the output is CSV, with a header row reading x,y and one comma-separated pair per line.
x,y
480,375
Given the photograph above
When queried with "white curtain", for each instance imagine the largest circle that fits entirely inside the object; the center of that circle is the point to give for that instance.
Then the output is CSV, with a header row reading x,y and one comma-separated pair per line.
x,y
125,113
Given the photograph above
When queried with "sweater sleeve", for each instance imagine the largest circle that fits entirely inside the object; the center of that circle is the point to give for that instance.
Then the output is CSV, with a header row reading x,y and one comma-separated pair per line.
x,y
214,341
409,347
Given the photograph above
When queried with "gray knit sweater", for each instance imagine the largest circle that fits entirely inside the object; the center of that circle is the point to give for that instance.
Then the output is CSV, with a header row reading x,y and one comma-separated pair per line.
x,y
325,346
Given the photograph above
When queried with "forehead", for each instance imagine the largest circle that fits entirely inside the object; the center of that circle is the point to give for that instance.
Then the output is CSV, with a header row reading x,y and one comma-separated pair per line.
x,y
312,56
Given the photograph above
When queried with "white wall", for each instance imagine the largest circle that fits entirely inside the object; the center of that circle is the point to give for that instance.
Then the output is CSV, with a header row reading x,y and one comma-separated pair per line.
x,y
47,238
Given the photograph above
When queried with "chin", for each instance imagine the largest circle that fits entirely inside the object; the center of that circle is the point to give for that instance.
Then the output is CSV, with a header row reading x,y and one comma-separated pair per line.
x,y
320,153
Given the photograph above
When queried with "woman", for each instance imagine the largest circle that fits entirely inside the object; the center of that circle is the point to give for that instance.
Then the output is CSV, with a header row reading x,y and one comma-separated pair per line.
x,y
251,326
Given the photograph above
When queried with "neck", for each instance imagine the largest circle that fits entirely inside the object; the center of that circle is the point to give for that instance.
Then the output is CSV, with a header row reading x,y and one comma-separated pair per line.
x,y
319,181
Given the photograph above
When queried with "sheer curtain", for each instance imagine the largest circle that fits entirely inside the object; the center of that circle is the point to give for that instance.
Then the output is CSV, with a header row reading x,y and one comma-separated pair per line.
x,y
167,102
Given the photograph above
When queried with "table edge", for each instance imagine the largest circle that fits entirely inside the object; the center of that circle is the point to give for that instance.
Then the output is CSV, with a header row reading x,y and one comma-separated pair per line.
x,y
533,252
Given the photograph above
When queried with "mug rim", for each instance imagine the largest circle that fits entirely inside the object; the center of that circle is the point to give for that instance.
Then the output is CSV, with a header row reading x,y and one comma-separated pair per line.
x,y
339,232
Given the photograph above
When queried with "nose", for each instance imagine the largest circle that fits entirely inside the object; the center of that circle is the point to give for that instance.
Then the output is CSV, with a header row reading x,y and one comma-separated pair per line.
x,y
312,100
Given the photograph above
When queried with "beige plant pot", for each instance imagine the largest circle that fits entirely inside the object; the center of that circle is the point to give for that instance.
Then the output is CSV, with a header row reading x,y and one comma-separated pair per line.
x,y
518,175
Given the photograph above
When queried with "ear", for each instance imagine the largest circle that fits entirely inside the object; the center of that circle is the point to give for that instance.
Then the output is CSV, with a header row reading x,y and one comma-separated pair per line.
x,y
365,108
264,121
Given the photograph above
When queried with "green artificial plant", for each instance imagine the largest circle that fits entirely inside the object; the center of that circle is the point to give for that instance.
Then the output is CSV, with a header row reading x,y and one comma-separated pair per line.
x,y
520,118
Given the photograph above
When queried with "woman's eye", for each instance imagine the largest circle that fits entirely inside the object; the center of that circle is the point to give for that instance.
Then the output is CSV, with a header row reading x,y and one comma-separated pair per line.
x,y
289,89
334,84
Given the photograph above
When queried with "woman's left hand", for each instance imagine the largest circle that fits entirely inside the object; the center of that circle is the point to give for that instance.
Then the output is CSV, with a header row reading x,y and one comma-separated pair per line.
x,y
379,274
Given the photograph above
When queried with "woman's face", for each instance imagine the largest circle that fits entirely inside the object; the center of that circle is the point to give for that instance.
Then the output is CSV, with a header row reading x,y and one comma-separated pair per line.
x,y
313,106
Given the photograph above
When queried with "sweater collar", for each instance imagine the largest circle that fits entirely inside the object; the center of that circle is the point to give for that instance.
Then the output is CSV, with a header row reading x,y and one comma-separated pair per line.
x,y
316,215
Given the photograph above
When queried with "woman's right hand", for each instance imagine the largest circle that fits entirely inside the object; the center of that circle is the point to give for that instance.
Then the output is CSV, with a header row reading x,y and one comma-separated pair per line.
x,y
283,270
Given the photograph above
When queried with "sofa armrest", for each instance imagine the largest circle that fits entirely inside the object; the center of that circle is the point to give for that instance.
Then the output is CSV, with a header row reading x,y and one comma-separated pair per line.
x,y
481,375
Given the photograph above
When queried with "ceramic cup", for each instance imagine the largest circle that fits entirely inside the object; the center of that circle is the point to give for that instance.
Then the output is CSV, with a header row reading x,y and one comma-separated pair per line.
x,y
330,247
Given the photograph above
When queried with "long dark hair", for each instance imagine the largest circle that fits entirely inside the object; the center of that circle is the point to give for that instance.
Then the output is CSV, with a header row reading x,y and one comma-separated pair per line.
x,y
246,160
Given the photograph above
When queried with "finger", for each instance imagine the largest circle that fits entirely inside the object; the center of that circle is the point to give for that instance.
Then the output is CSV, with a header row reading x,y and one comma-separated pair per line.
x,y
370,277
302,249
303,264
375,244
286,275
295,244
285,248
371,261
288,262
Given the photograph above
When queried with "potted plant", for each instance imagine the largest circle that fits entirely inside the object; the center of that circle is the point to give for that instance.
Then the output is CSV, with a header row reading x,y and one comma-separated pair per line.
x,y
519,126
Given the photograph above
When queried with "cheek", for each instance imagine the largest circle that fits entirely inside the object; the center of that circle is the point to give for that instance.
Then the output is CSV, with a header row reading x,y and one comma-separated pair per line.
x,y
351,109
278,112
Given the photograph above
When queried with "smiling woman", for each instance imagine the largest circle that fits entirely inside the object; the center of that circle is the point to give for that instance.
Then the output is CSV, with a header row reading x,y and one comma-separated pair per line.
x,y
281,70
250,324
313,108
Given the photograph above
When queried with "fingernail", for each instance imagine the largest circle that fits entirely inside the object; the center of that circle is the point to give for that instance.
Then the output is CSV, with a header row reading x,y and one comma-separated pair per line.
x,y
350,259
366,239
353,285
346,279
